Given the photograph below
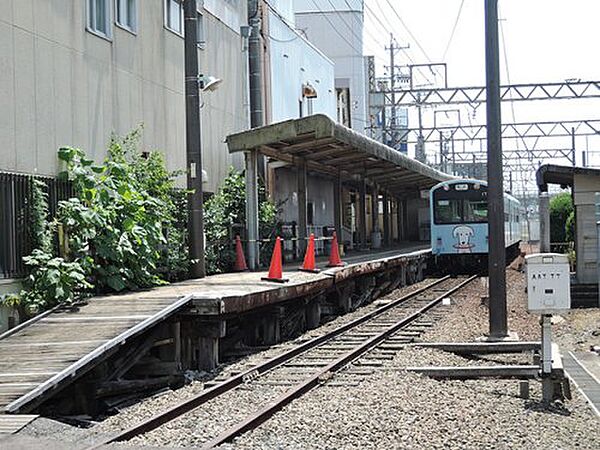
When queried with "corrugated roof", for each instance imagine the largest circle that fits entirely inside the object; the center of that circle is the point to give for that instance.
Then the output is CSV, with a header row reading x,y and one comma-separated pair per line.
x,y
330,148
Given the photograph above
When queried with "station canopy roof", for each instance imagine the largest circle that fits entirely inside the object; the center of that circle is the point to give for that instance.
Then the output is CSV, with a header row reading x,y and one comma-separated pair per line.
x,y
562,175
330,148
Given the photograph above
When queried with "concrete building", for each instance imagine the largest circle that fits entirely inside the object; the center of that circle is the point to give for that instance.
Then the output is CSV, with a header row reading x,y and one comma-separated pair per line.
x,y
336,28
585,190
73,72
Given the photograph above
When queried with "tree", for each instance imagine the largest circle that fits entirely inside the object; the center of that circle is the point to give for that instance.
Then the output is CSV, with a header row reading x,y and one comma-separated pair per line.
x,y
561,207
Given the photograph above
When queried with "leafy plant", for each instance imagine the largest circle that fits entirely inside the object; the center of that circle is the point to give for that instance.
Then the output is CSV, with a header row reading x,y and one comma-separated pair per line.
x,y
117,225
224,216
570,228
561,206
39,226
51,280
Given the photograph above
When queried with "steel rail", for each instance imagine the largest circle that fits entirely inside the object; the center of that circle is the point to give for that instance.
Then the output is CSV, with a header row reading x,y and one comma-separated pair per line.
x,y
233,382
261,416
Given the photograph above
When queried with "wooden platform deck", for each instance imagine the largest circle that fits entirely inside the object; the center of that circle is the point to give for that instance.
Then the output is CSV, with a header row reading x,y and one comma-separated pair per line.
x,y
39,359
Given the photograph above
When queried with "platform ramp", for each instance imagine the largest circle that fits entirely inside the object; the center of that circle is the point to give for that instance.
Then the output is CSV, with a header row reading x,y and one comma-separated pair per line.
x,y
43,356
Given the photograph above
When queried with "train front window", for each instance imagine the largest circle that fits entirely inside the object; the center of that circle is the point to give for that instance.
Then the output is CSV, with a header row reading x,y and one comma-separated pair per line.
x,y
475,210
455,206
448,211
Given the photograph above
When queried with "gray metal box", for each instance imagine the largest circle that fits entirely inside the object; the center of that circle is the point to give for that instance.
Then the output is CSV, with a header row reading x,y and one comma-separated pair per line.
x,y
548,283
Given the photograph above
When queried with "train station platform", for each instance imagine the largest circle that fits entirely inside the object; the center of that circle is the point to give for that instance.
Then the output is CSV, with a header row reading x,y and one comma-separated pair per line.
x,y
100,341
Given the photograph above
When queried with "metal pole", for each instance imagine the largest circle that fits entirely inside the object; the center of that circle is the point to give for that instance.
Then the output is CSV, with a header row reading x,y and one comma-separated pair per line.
x,y
393,88
255,65
362,214
252,209
386,219
256,120
420,156
193,143
573,146
302,183
544,207
497,251
374,209
547,382
337,205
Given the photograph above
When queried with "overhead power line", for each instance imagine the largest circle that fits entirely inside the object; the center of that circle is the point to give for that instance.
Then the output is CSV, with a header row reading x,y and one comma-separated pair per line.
x,y
462,3
410,33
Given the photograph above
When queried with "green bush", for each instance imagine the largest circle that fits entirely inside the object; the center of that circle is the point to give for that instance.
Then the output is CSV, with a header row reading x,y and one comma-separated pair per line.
x,y
224,217
125,228
561,206
570,228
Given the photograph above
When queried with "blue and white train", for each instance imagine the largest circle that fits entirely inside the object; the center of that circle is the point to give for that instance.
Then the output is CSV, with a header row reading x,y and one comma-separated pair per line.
x,y
459,224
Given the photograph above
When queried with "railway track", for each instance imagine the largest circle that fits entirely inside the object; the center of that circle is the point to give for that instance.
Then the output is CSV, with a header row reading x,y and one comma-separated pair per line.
x,y
278,381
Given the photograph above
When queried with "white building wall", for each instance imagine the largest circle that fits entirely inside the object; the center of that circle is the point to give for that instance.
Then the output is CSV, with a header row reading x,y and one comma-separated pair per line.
x,y
586,236
336,28
62,85
295,62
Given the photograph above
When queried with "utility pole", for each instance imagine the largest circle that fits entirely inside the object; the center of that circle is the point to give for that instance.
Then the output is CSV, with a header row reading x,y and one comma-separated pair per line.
x,y
573,146
497,251
193,142
253,162
393,132
420,150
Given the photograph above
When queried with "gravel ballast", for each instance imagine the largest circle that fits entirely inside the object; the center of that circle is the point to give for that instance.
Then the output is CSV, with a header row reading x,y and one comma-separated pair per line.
x,y
386,407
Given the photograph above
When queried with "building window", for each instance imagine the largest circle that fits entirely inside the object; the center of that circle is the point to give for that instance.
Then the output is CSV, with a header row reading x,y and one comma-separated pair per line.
x,y
127,14
99,17
343,106
174,16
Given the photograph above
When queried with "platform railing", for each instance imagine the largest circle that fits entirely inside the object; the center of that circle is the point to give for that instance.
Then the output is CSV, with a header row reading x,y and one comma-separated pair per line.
x,y
15,217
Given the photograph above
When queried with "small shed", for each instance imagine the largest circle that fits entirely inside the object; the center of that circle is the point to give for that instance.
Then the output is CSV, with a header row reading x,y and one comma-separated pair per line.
x,y
585,184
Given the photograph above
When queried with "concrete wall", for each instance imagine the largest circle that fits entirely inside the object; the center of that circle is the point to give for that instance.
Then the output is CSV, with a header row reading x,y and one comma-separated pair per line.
x,y
338,32
62,85
584,189
319,193
417,219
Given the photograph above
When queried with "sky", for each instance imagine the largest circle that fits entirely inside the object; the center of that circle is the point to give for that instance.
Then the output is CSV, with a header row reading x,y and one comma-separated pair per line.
x,y
542,41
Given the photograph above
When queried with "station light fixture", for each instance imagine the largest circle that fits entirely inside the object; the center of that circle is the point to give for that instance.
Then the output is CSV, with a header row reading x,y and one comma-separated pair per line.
x,y
208,82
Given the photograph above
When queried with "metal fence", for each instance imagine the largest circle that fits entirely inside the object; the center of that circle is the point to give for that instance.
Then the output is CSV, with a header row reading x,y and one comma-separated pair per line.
x,y
15,218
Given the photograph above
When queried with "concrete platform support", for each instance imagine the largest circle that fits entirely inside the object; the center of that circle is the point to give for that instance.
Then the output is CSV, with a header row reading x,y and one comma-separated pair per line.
x,y
386,219
252,209
271,327
344,297
403,275
208,353
207,343
313,313
302,206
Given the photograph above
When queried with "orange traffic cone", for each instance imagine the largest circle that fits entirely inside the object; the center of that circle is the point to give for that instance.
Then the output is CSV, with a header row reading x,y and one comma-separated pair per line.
x,y
334,255
275,270
309,264
240,259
